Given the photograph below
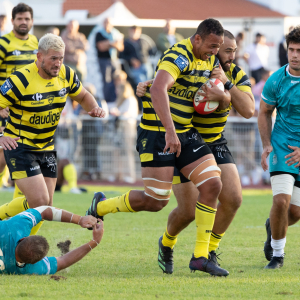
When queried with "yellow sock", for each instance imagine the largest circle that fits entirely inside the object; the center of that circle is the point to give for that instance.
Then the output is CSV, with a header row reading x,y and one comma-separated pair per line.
x,y
5,176
205,218
36,228
17,192
14,207
1,177
113,205
215,240
169,240
70,175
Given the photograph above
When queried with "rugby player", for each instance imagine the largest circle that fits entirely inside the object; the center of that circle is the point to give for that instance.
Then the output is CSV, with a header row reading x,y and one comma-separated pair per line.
x,y
166,138
36,95
21,254
211,128
17,49
281,91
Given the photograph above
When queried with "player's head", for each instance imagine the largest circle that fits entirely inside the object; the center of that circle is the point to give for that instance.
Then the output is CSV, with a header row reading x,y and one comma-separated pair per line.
x,y
22,19
207,39
32,249
293,46
227,51
51,54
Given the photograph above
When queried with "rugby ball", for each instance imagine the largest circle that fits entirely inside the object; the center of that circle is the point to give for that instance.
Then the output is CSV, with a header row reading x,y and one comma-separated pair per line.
x,y
207,107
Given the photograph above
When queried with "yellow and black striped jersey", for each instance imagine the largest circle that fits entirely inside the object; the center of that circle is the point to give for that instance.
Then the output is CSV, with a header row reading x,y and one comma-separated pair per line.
x,y
16,53
189,74
35,104
212,125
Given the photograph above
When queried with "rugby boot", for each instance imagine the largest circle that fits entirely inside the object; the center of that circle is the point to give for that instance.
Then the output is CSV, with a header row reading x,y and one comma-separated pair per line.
x,y
268,250
165,257
98,197
206,265
214,257
275,263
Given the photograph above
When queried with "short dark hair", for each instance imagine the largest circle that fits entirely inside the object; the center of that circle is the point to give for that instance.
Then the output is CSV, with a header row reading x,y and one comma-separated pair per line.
x,y
20,8
209,26
229,34
258,35
293,36
32,249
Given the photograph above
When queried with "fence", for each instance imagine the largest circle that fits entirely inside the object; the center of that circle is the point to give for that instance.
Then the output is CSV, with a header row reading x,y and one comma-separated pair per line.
x,y
105,149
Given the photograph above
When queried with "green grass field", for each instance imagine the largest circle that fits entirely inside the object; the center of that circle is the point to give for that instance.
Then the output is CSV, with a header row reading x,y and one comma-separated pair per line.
x,y
124,266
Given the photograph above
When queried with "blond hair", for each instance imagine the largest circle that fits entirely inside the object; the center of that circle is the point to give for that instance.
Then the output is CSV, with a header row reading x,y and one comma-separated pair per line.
x,y
124,91
51,41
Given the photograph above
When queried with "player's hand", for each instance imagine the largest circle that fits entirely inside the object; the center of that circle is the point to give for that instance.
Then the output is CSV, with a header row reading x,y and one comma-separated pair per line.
x,y
4,113
98,231
219,73
267,150
213,93
97,112
87,221
172,143
142,86
8,143
294,157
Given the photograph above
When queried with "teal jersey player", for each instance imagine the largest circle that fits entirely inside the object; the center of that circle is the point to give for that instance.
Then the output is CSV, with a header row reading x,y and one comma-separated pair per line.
x,y
283,90
11,232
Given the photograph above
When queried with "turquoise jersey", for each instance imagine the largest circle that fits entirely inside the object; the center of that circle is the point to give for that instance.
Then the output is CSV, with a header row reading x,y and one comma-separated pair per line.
x,y
283,90
11,231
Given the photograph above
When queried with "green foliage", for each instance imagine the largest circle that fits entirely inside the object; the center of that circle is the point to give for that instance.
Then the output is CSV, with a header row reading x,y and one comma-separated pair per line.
x,y
124,266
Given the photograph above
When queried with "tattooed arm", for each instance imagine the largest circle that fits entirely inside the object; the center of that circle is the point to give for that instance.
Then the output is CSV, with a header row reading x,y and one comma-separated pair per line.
x,y
265,128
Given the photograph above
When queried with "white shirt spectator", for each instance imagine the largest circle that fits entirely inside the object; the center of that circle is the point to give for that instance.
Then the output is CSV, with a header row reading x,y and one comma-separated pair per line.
x,y
258,56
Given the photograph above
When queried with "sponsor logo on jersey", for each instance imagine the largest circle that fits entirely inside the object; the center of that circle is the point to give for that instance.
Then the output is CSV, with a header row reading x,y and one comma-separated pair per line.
x,y
6,86
206,73
37,103
50,99
185,93
35,51
13,162
48,119
35,168
17,53
144,142
167,153
62,92
49,84
181,62
37,97
61,79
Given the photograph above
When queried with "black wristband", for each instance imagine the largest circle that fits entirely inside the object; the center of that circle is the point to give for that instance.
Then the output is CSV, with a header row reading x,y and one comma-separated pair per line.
x,y
228,85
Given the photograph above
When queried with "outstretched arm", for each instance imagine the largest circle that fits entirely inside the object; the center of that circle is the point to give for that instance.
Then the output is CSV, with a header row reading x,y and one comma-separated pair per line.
x,y
77,254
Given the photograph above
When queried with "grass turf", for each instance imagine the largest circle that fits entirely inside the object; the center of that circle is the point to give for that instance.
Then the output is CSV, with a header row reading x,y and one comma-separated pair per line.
x,y
125,265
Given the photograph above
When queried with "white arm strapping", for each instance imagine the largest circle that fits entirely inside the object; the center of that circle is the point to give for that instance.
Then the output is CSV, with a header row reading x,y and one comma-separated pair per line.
x,y
56,213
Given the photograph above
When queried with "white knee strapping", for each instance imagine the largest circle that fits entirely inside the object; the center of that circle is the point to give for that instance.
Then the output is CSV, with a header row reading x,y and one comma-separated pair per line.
x,y
159,190
295,200
56,213
282,184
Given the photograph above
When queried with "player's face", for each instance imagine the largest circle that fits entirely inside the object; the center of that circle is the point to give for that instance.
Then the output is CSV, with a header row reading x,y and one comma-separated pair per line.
x,y
204,49
52,62
22,23
226,53
294,56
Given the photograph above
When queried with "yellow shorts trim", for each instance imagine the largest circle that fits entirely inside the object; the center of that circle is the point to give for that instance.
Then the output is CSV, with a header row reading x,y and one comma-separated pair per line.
x,y
19,175
176,180
146,157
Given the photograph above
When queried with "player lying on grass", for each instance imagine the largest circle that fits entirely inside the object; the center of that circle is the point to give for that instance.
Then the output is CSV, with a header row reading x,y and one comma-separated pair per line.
x,y
211,128
36,96
24,254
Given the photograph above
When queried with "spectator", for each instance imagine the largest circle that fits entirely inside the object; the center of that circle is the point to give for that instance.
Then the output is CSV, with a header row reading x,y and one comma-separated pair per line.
x,y
3,23
76,45
53,30
257,55
108,42
137,50
283,60
239,42
168,37
126,111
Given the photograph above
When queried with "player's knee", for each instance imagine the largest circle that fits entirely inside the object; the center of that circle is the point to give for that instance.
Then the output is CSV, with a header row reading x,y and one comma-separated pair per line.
x,y
40,201
281,202
212,188
154,205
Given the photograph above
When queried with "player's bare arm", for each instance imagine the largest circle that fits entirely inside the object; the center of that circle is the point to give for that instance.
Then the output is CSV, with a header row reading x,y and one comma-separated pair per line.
x,y
77,254
265,128
89,104
160,100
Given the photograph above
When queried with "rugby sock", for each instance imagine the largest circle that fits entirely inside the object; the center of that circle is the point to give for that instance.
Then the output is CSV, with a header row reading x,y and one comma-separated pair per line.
x,y
5,176
36,228
17,192
278,247
13,208
70,175
205,218
169,240
113,205
215,240
1,177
